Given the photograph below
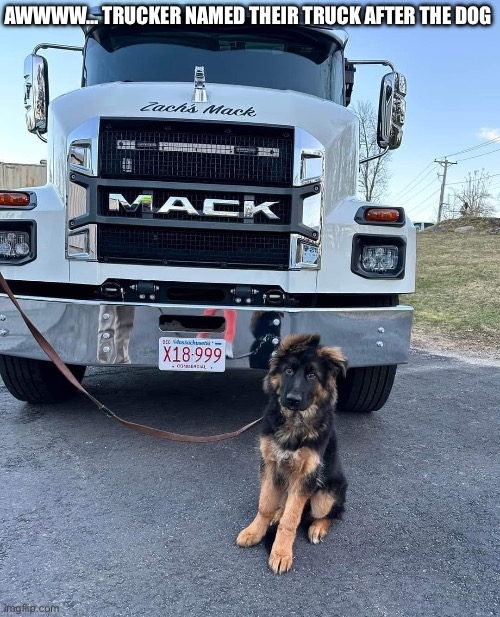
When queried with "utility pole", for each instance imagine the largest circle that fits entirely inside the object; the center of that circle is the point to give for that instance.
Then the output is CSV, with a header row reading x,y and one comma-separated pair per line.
x,y
444,164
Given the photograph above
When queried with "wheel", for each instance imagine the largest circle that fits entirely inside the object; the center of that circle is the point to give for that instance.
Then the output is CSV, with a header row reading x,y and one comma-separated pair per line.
x,y
37,381
366,388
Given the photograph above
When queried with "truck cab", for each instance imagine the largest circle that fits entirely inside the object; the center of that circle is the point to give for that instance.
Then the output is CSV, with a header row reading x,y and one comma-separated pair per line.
x,y
201,196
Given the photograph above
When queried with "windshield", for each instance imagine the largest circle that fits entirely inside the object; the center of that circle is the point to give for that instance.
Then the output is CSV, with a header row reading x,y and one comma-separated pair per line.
x,y
279,58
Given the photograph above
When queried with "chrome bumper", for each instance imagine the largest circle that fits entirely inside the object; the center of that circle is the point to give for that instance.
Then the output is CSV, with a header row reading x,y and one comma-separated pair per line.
x,y
98,334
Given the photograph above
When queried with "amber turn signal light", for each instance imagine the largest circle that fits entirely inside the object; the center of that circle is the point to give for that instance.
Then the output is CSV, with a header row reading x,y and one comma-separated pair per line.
x,y
382,215
14,199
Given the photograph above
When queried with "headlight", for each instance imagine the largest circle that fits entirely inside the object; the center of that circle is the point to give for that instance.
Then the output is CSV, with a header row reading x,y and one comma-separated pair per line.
x,y
17,242
378,256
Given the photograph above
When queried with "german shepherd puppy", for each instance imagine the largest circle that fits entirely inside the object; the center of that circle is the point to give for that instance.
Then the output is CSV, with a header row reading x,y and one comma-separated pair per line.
x,y
300,463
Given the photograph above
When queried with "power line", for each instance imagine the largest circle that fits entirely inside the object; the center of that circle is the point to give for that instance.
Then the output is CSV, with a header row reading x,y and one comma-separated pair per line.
x,y
464,181
423,202
395,198
424,189
417,210
478,155
411,209
481,145
410,183
444,163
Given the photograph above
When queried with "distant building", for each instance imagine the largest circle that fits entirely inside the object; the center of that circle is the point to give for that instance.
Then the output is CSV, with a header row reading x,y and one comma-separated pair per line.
x,y
423,225
18,175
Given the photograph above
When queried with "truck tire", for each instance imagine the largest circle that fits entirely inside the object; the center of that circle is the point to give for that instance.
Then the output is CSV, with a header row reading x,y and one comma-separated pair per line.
x,y
37,381
365,388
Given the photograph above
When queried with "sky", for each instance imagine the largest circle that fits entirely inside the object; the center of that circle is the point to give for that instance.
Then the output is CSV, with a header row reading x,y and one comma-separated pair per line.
x,y
453,101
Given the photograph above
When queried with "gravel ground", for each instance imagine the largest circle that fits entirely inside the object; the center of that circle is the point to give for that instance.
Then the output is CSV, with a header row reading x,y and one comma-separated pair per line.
x,y
431,341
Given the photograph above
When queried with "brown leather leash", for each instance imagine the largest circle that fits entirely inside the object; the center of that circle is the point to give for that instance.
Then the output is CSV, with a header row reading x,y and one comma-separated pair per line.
x,y
140,428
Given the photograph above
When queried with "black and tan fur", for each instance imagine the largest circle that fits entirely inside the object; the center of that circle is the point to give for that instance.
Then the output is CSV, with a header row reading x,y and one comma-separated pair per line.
x,y
300,463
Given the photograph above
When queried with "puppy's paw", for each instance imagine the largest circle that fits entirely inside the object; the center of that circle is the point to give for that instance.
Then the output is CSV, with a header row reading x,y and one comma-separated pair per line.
x,y
318,530
280,562
248,537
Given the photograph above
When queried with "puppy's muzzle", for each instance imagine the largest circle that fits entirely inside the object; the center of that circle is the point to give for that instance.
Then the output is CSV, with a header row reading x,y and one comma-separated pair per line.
x,y
293,400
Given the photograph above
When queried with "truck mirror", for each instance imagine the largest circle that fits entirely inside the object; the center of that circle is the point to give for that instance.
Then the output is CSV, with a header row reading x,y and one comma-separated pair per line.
x,y
392,109
36,93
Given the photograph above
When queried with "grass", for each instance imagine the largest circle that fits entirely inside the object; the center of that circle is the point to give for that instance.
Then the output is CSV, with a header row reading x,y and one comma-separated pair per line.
x,y
458,286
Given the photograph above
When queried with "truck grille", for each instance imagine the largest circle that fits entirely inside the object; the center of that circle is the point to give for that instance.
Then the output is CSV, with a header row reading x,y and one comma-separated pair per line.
x,y
281,206
120,243
197,152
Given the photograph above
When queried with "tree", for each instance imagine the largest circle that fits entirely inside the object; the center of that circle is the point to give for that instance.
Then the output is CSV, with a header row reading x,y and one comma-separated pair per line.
x,y
373,176
475,194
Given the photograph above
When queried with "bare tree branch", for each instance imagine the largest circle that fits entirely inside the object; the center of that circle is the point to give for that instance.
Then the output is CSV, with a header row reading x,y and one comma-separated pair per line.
x,y
475,194
374,176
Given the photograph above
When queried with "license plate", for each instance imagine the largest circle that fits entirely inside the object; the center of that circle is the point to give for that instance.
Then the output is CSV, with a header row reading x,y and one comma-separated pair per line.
x,y
192,354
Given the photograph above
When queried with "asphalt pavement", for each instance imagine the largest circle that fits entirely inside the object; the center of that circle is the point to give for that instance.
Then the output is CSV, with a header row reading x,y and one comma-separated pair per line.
x,y
100,521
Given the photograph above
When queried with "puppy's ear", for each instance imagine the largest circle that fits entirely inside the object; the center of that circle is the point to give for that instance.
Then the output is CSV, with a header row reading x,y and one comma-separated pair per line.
x,y
272,383
335,360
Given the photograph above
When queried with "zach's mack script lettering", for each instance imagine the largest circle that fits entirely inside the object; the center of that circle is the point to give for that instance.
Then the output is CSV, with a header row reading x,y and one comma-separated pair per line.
x,y
190,108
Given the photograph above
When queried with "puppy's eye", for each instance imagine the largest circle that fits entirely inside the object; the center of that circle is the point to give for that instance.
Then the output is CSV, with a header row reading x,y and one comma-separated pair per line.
x,y
288,371
311,376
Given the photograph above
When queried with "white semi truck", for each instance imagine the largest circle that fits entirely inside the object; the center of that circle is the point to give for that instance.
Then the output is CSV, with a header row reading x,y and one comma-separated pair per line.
x,y
201,205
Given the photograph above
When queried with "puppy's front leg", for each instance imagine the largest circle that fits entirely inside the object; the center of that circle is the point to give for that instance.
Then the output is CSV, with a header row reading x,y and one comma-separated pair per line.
x,y
270,496
281,557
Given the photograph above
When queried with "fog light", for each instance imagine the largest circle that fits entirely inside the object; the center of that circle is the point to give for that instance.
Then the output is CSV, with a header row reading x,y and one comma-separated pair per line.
x,y
380,258
14,244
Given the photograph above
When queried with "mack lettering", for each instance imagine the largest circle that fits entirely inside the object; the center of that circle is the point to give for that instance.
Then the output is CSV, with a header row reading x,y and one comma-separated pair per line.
x,y
211,207
229,111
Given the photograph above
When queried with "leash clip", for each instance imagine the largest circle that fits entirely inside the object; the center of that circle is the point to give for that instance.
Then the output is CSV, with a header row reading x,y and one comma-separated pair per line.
x,y
107,411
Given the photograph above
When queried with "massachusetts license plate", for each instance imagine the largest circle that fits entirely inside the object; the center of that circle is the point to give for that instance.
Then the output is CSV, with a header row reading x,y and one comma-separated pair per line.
x,y
192,354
